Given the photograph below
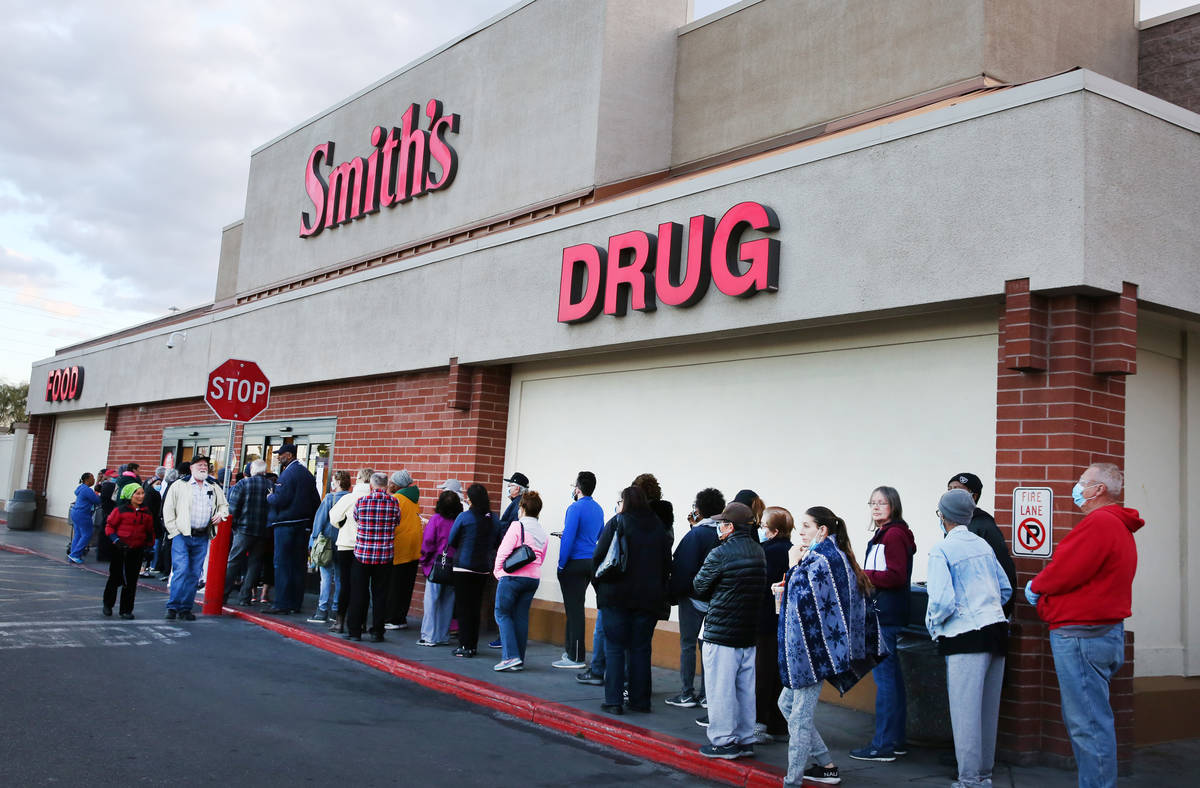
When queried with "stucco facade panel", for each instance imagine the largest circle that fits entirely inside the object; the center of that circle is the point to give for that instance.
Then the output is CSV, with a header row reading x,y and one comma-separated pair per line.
x,y
1143,204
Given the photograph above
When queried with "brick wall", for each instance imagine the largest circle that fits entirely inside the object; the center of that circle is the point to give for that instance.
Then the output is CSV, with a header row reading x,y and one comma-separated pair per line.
x,y
1169,61
436,424
1060,406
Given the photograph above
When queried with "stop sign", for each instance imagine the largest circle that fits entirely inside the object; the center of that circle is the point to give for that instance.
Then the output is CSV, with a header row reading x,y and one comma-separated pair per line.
x,y
237,390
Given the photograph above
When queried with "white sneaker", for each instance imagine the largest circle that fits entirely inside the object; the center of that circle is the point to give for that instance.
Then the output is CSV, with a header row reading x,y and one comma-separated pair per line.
x,y
390,625
513,664
424,642
568,664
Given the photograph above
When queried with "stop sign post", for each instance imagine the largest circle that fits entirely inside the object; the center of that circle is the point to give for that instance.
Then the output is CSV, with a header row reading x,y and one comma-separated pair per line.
x,y
237,391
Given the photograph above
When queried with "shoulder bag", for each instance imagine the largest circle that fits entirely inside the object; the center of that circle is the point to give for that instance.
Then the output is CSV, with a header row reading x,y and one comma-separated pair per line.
x,y
521,556
617,557
443,568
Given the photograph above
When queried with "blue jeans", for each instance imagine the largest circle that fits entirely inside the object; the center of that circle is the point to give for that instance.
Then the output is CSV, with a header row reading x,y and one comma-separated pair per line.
x,y
629,632
598,658
891,706
329,589
187,558
514,595
1084,667
439,609
690,622
291,556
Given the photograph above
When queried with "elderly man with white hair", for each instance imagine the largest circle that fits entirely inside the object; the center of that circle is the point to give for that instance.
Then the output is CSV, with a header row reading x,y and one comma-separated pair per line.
x,y
251,547
1085,594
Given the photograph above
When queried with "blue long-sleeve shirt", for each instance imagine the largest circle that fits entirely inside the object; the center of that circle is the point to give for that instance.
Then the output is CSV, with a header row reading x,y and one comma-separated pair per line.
x,y
582,525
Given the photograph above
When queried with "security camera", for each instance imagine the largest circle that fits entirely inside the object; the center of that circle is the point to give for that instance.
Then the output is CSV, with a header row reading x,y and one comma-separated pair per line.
x,y
171,339
171,342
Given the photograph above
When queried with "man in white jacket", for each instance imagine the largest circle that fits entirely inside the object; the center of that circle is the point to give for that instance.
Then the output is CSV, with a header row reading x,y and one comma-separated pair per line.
x,y
191,506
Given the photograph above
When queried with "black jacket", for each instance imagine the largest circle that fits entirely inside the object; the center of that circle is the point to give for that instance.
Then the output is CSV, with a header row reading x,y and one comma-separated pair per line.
x,y
689,557
643,586
984,526
733,579
776,552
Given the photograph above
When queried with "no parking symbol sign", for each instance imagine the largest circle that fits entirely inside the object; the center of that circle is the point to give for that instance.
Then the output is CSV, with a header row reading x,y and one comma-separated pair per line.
x,y
1032,525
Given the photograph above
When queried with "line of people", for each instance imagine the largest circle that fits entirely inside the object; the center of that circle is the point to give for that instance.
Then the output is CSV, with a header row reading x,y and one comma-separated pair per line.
x,y
773,621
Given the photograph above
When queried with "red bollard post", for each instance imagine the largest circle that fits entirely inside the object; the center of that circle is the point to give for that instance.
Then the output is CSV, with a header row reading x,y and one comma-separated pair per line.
x,y
218,559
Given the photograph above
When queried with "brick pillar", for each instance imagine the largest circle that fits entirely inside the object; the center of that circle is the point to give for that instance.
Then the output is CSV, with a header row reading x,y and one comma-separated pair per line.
x,y
1060,406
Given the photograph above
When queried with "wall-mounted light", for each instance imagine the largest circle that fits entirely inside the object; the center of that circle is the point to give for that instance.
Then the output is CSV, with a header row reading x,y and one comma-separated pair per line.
x,y
286,429
194,434
181,335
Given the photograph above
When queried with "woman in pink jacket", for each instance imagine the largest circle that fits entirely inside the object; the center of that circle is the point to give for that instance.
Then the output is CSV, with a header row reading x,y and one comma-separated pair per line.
x,y
514,591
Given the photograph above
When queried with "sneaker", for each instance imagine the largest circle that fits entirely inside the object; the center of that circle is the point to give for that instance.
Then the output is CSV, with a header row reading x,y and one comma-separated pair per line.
x,y
745,751
828,775
170,615
703,702
424,642
318,618
702,721
900,749
568,664
684,700
127,616
725,751
390,625
187,615
513,663
74,560
376,637
588,677
495,643
762,737
106,610
870,753
463,651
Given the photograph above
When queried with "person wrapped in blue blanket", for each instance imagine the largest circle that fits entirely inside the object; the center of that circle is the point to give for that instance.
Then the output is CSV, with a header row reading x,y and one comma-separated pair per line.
x,y
828,631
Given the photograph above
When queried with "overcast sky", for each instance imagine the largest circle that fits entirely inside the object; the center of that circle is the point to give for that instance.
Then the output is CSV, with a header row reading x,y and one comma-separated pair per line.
x,y
126,133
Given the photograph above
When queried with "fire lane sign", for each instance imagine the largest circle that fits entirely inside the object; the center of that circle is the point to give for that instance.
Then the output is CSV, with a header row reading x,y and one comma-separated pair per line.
x,y
1033,531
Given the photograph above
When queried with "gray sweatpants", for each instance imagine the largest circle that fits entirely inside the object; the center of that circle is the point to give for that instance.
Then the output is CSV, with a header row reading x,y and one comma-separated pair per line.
x,y
729,684
804,743
973,683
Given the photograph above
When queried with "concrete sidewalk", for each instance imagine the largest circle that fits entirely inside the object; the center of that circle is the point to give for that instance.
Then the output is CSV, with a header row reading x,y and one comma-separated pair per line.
x,y
551,697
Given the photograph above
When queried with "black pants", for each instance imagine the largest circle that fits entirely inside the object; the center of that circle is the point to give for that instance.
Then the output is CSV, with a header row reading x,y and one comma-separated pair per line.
x,y
372,579
400,591
573,579
247,557
123,566
468,593
767,684
343,562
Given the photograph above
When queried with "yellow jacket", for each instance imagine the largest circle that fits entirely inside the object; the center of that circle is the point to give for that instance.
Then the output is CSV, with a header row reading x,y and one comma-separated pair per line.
x,y
408,532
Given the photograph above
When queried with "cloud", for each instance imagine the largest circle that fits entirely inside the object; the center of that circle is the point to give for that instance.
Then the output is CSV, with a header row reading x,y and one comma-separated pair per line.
x,y
132,144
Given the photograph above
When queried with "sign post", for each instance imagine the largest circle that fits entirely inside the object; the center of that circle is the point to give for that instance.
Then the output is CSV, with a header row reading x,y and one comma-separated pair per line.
x,y
237,391
1033,529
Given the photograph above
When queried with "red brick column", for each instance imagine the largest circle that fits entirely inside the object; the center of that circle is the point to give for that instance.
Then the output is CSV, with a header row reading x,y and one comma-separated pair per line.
x,y
1060,406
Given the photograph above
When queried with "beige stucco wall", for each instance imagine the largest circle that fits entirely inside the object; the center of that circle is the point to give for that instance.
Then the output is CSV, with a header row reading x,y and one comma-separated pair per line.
x,y
776,66
807,418
554,98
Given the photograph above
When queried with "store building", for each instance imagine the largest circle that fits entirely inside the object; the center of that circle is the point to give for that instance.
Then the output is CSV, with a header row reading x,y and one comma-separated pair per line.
x,y
793,247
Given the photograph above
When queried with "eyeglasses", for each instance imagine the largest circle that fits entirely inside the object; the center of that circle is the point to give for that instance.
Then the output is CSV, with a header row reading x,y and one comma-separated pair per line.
x,y
873,504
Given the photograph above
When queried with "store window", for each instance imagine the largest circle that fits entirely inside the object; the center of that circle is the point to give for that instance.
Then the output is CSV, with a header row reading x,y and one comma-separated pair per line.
x,y
181,444
313,439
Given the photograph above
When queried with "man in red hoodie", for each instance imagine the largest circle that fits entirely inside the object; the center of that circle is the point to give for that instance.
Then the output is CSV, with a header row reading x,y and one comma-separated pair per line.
x,y
1085,594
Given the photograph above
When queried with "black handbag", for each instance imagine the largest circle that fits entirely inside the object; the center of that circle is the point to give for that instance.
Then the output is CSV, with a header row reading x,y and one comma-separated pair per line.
x,y
522,556
617,558
443,568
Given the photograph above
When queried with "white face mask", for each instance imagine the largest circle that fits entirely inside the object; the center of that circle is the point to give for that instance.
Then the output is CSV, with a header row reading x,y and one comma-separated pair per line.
x,y
199,475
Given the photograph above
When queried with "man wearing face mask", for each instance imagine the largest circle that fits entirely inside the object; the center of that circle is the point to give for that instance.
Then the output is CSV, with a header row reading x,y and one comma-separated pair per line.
x,y
1085,593
189,509
582,524
733,580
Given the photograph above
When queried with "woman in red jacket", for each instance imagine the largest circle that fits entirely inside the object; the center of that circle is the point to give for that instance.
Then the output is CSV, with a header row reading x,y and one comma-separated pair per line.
x,y
130,528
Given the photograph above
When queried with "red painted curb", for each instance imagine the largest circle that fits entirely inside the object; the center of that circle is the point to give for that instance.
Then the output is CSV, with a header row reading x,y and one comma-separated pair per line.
x,y
609,731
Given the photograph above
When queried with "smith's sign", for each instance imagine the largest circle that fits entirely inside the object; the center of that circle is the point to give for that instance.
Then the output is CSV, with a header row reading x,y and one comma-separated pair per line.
x,y
642,269
395,172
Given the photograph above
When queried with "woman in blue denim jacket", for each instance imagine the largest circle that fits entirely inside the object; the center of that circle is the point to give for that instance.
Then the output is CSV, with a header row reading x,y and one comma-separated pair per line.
x,y
967,589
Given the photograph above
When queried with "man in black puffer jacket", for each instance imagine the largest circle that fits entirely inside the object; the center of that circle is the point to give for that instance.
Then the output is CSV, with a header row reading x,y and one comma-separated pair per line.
x,y
733,579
